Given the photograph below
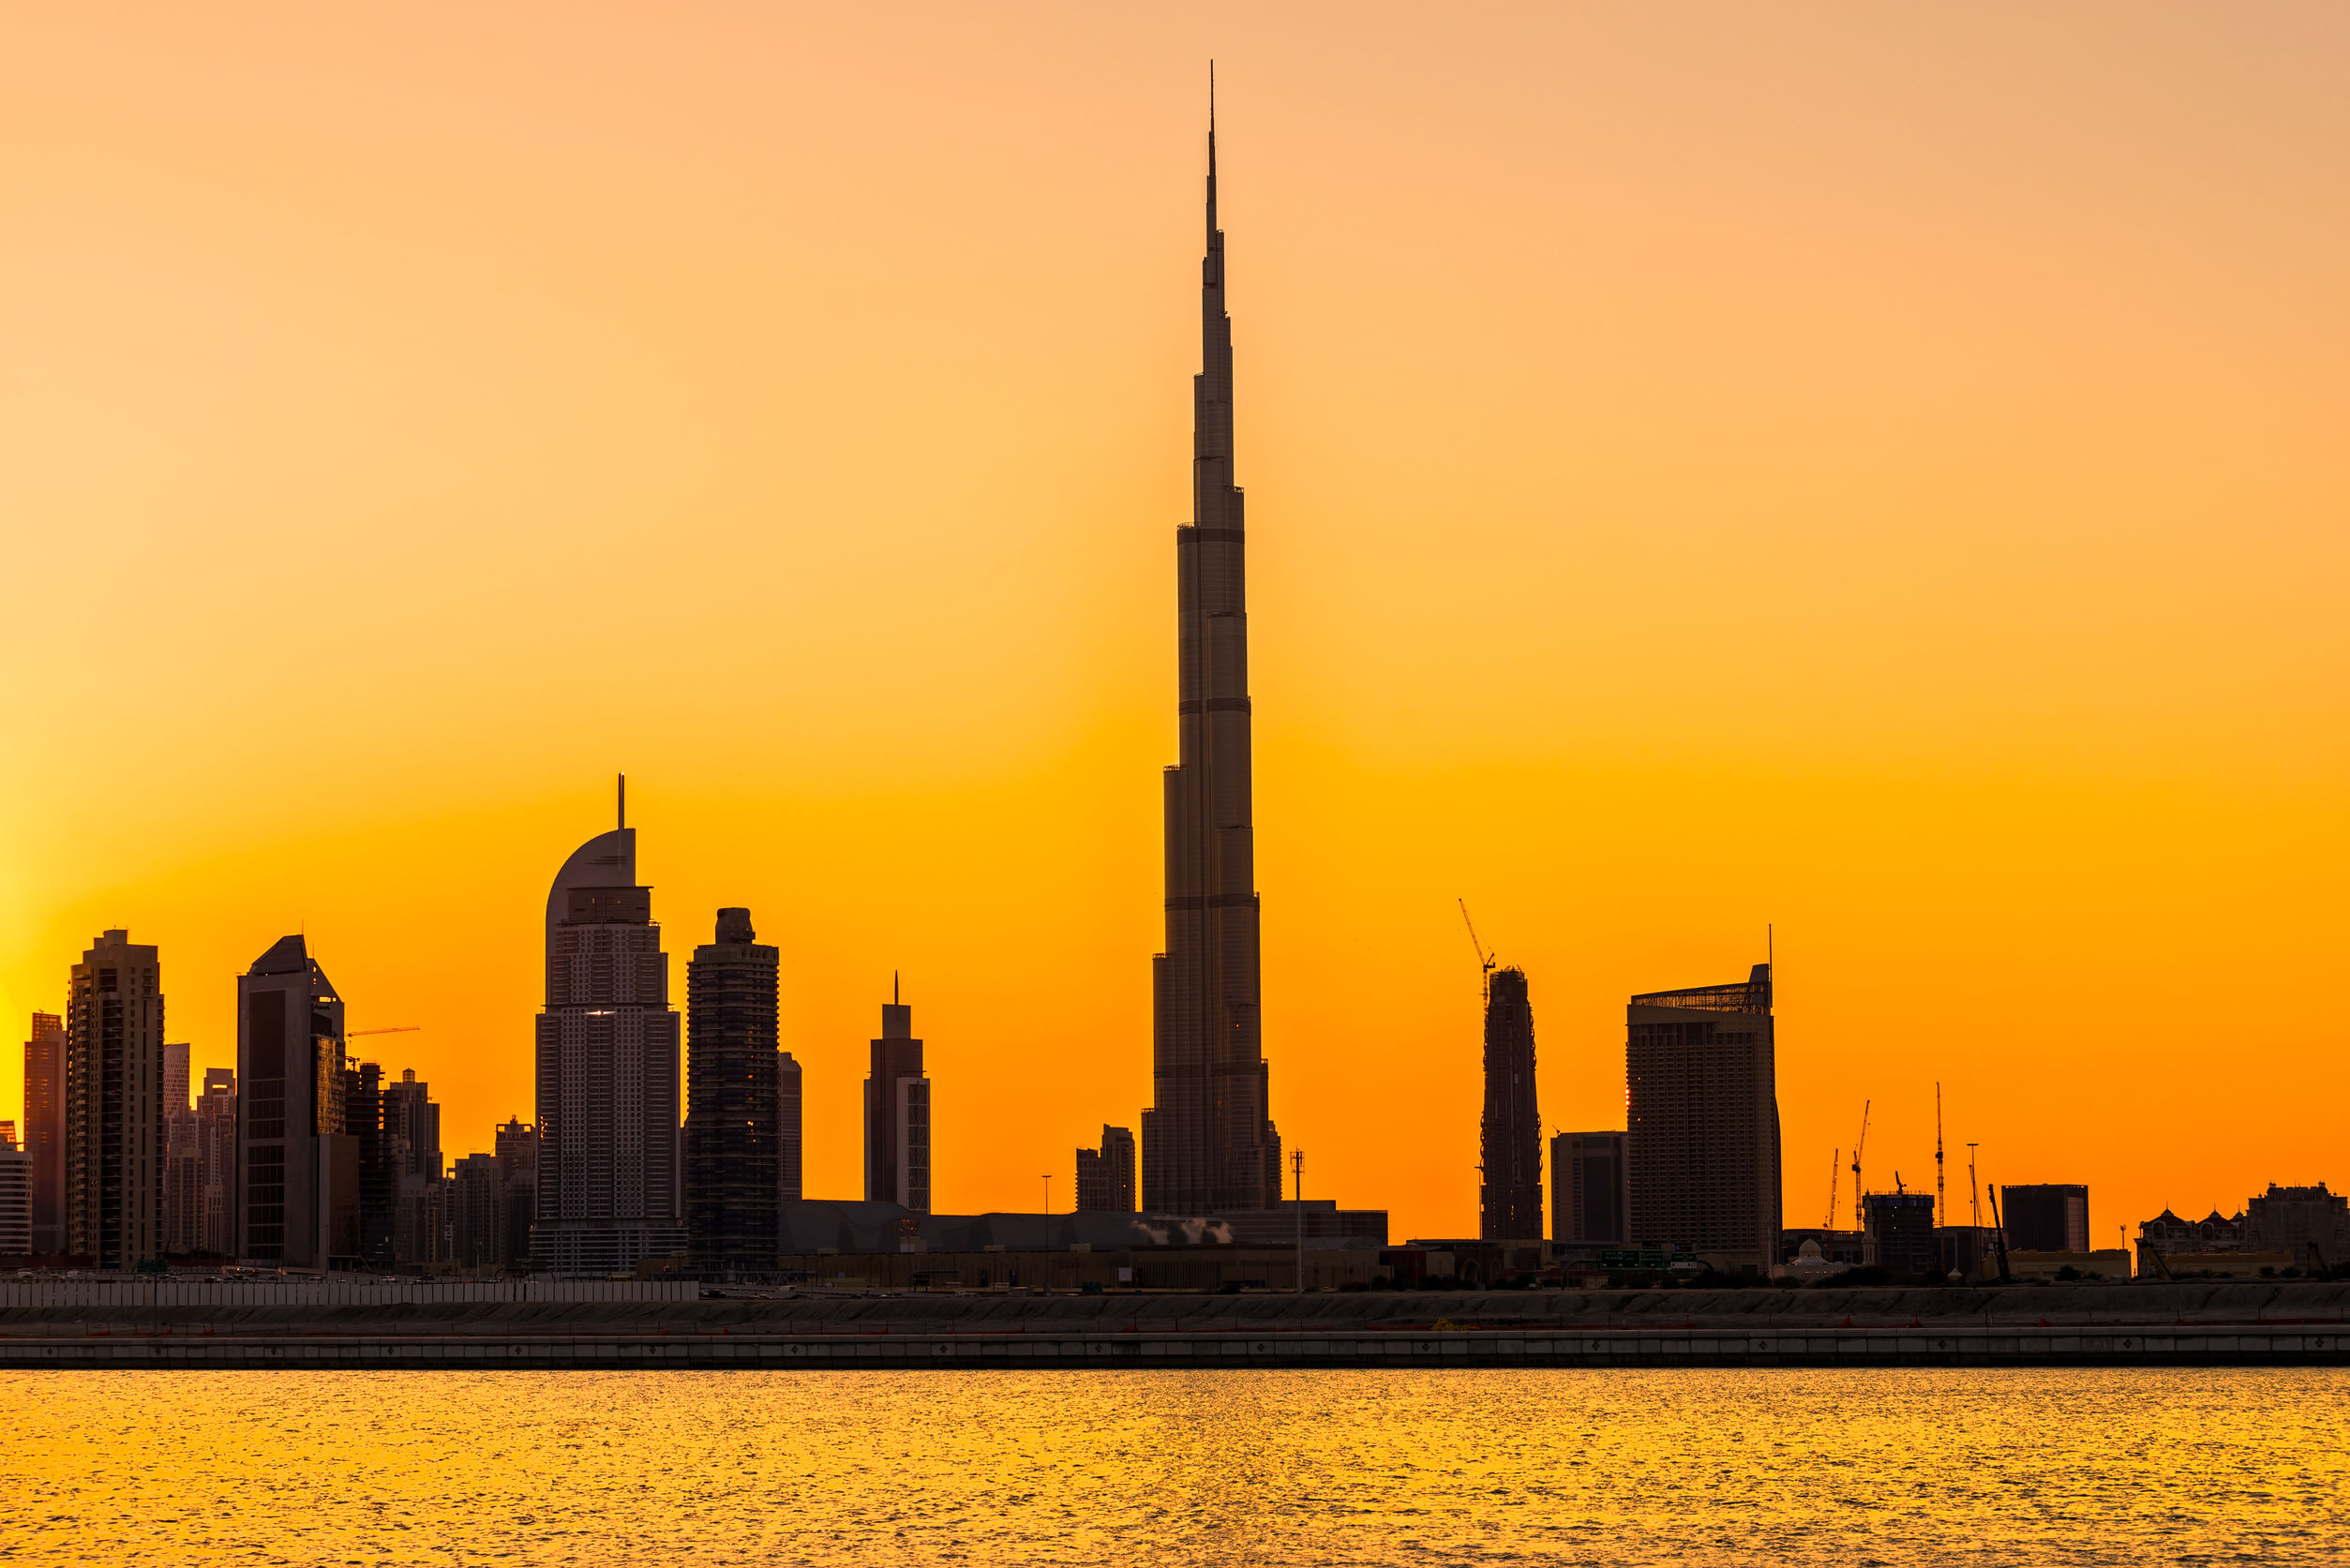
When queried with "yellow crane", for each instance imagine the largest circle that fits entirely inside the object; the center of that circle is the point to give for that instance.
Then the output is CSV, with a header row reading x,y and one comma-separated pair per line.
x,y
1834,1170
394,1029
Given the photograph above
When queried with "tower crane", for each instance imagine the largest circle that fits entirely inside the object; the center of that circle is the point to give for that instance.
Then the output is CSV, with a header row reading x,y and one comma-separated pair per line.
x,y
1485,959
1859,1207
1941,1199
1834,1170
394,1029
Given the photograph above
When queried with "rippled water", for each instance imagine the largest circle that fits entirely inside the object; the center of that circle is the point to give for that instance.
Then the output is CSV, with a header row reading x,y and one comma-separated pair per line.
x,y
1312,1467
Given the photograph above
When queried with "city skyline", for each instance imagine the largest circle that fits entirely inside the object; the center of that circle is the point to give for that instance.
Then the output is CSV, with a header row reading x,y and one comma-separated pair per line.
x,y
1972,602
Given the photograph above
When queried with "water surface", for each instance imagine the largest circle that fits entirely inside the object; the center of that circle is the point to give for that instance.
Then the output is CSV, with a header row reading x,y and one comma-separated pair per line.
x,y
1727,1466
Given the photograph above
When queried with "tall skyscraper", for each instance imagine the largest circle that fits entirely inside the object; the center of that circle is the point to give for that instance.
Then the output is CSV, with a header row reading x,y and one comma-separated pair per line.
x,y
175,1076
412,1152
1208,1140
788,1128
1105,1176
733,1166
299,1206
15,1194
113,1121
897,1115
478,1213
517,1150
1702,1109
216,1131
609,1085
43,1133
183,1160
1509,1199
381,1159
1590,1198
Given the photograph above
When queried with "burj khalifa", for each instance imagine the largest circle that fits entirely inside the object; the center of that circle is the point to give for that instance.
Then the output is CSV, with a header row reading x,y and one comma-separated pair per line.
x,y
1209,1143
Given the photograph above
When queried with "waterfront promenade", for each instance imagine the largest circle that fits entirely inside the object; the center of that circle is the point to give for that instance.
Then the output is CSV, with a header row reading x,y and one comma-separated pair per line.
x,y
546,1325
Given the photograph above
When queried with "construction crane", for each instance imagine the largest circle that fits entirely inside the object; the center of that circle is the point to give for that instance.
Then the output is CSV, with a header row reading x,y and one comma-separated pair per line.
x,y
1860,1208
394,1029
1834,1170
1942,1200
1485,959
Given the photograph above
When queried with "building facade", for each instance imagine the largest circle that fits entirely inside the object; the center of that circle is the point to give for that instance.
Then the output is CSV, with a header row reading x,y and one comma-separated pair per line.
x,y
479,1213
733,1150
2048,1217
897,1116
788,1128
1510,1197
183,1156
517,1150
297,1204
1208,1139
113,1104
2300,1219
610,1173
216,1133
42,1134
1702,1122
15,1194
1897,1235
415,1172
1105,1176
1591,1188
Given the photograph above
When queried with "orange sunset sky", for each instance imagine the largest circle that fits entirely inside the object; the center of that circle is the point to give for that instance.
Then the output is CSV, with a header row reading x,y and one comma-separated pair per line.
x,y
1879,473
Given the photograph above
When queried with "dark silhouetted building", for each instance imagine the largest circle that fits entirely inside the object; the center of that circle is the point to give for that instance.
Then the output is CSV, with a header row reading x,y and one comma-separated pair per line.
x,y
1105,1176
2293,1219
478,1213
113,1110
382,1160
788,1127
216,1131
2050,1218
299,1202
42,1136
1510,1199
1897,1235
733,1153
517,1150
897,1116
1208,1140
1590,1194
411,1144
15,1194
183,1158
1702,1117
611,1174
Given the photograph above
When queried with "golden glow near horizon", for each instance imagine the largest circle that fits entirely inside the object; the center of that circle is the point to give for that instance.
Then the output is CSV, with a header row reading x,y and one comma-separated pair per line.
x,y
1879,474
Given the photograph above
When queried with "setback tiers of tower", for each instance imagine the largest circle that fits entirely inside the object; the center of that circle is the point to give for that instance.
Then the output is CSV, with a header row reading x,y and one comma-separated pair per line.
x,y
1209,1143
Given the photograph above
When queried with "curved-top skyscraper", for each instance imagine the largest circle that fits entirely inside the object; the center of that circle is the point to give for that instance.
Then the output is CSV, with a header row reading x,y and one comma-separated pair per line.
x,y
608,1173
1209,1145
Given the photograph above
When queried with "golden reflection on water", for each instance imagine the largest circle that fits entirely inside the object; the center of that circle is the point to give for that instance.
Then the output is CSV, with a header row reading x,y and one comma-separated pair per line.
x,y
2064,1466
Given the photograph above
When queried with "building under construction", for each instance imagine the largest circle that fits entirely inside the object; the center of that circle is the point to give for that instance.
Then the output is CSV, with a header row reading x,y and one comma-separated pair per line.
x,y
1509,1200
1702,1114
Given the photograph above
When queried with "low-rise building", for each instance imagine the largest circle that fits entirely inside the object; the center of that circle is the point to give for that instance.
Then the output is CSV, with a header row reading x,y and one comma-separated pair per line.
x,y
1899,1235
2309,1222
